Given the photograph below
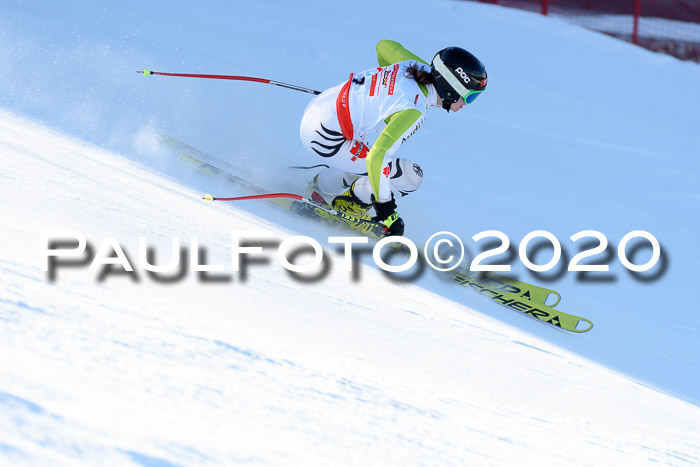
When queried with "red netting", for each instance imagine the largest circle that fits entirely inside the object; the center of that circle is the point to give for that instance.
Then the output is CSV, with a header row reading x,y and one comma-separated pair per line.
x,y
669,26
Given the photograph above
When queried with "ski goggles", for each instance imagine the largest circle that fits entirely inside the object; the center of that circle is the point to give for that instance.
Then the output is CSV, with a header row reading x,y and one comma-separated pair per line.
x,y
472,95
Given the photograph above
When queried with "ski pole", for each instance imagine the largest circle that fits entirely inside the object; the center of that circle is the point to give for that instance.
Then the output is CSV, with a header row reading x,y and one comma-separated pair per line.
x,y
260,196
312,203
147,72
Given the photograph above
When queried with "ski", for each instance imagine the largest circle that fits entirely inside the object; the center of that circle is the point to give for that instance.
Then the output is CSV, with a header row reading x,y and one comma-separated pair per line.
x,y
525,298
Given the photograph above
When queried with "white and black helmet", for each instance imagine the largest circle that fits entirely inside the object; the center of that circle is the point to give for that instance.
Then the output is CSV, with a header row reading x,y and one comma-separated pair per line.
x,y
458,75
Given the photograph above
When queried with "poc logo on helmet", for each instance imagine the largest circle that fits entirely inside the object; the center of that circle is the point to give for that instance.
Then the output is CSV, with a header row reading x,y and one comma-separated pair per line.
x,y
463,74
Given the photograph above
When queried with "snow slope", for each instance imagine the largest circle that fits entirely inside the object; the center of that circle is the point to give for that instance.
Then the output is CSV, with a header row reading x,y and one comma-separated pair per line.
x,y
265,369
577,131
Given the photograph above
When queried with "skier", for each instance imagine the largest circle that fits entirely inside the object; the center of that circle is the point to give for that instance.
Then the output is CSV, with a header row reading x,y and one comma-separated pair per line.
x,y
357,126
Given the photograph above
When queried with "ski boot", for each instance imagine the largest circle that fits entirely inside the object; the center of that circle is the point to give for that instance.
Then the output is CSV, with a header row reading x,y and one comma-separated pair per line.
x,y
346,203
349,203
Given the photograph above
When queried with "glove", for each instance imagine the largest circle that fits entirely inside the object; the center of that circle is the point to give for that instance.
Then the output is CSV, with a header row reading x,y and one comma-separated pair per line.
x,y
387,215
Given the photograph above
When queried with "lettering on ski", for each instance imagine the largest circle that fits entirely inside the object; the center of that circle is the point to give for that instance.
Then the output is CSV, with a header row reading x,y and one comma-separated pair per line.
x,y
527,291
364,226
512,297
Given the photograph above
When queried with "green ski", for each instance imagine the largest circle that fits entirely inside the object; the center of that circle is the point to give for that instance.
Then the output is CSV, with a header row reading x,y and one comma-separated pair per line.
x,y
523,297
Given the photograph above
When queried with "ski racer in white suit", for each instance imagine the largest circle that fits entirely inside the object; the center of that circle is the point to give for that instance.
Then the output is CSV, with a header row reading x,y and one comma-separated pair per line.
x,y
356,127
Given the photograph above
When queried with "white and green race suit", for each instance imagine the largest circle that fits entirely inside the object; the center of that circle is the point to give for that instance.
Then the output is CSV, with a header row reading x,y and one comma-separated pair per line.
x,y
357,126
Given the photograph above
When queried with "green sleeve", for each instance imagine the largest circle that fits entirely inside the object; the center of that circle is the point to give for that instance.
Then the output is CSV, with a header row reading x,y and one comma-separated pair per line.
x,y
389,52
397,125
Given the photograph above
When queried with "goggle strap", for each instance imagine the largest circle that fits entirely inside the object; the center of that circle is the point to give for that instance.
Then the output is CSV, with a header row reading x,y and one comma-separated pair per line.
x,y
449,77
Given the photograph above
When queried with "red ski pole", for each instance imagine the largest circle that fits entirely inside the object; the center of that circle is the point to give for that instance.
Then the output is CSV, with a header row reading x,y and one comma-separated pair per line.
x,y
314,204
260,196
147,72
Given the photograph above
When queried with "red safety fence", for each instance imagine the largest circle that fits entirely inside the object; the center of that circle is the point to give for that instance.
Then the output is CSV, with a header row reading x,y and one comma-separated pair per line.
x,y
668,26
